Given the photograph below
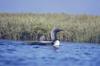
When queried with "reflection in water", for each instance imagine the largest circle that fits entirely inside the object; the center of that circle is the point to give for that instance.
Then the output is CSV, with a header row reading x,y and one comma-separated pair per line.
x,y
68,54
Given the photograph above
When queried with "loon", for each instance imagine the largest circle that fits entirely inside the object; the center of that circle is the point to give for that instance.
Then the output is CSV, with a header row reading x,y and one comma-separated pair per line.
x,y
54,41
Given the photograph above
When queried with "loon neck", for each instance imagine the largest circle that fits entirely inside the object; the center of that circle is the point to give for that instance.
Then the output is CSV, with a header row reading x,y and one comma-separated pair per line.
x,y
53,36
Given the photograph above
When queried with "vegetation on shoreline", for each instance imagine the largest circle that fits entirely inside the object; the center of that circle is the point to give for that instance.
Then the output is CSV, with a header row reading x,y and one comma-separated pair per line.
x,y
30,26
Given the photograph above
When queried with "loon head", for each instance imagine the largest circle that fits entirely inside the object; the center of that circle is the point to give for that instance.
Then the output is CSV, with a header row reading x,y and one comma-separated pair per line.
x,y
54,32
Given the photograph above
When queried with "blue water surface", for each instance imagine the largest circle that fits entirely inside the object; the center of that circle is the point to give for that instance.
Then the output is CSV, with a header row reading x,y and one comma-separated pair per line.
x,y
17,53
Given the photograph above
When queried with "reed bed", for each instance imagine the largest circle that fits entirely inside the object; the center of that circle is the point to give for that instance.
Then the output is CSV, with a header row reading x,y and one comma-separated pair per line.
x,y
30,26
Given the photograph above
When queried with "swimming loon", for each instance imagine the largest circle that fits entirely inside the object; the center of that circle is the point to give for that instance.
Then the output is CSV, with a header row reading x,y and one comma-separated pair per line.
x,y
54,41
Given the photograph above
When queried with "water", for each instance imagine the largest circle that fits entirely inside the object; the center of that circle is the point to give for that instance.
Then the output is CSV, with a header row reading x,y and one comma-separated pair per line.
x,y
15,53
